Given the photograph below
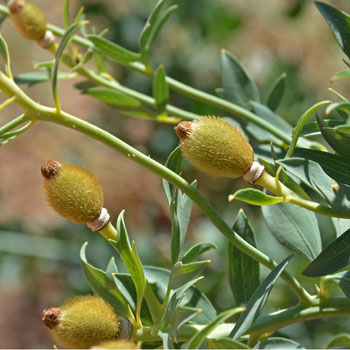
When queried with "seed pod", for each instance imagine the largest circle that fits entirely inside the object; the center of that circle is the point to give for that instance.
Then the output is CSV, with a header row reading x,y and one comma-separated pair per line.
x,y
82,322
28,19
215,146
72,192
116,344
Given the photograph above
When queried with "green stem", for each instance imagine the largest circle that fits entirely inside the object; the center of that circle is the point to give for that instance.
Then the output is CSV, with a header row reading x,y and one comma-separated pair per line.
x,y
39,112
274,186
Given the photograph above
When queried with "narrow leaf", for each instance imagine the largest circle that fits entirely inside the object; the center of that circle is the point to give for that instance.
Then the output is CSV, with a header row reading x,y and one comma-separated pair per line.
x,y
244,273
339,23
340,342
196,250
344,282
197,340
312,129
341,75
257,301
238,87
276,92
115,52
160,89
254,197
4,52
278,343
295,228
66,16
225,343
181,273
331,259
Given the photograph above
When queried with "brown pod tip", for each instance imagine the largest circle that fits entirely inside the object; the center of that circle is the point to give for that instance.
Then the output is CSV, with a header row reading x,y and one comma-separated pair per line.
x,y
50,168
16,5
183,129
50,317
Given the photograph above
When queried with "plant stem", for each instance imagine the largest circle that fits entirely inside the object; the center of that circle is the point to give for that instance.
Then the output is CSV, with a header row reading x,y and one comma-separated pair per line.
x,y
38,112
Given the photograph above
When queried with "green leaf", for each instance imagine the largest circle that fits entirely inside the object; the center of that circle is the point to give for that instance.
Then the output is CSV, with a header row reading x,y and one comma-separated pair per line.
x,y
160,89
295,228
181,208
225,343
4,52
257,301
33,78
276,92
278,343
181,273
340,225
197,340
312,129
332,258
131,260
173,163
341,75
158,278
66,16
244,273
115,52
344,282
102,283
339,23
312,175
338,106
254,197
112,97
238,87
339,142
68,34
183,314
341,341
335,166
196,250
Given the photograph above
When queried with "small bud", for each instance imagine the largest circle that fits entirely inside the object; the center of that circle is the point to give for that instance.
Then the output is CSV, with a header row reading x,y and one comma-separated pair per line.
x,y
82,322
72,192
28,19
117,344
215,146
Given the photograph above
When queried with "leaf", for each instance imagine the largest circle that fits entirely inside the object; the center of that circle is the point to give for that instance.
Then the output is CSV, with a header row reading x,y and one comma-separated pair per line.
x,y
183,315
339,23
340,225
278,343
276,92
344,283
244,273
339,142
4,52
257,301
66,14
131,259
295,228
181,273
158,278
335,166
196,250
173,163
341,75
115,52
312,129
254,197
341,341
312,175
225,343
160,89
112,97
102,283
238,87
332,258
197,340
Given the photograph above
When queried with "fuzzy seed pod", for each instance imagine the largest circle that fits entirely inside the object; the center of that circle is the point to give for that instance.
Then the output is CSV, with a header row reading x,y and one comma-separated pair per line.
x,y
215,146
82,322
72,192
28,19
116,344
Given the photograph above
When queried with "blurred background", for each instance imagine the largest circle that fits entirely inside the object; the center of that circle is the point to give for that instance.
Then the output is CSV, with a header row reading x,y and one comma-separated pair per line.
x,y
39,251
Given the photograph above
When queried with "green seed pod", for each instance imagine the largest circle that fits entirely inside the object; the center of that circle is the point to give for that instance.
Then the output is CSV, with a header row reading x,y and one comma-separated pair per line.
x,y
28,19
82,322
215,146
116,344
72,192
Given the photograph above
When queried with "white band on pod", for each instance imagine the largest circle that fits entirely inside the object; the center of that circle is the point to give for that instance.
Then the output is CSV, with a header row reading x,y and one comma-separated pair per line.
x,y
100,222
46,40
126,328
254,172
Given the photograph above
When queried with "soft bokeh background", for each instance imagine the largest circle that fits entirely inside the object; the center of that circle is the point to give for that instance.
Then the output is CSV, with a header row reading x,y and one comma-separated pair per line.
x,y
39,251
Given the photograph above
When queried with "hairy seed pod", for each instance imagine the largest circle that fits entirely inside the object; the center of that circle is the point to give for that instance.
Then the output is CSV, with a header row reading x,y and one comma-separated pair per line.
x,y
72,192
215,146
116,344
28,19
82,322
